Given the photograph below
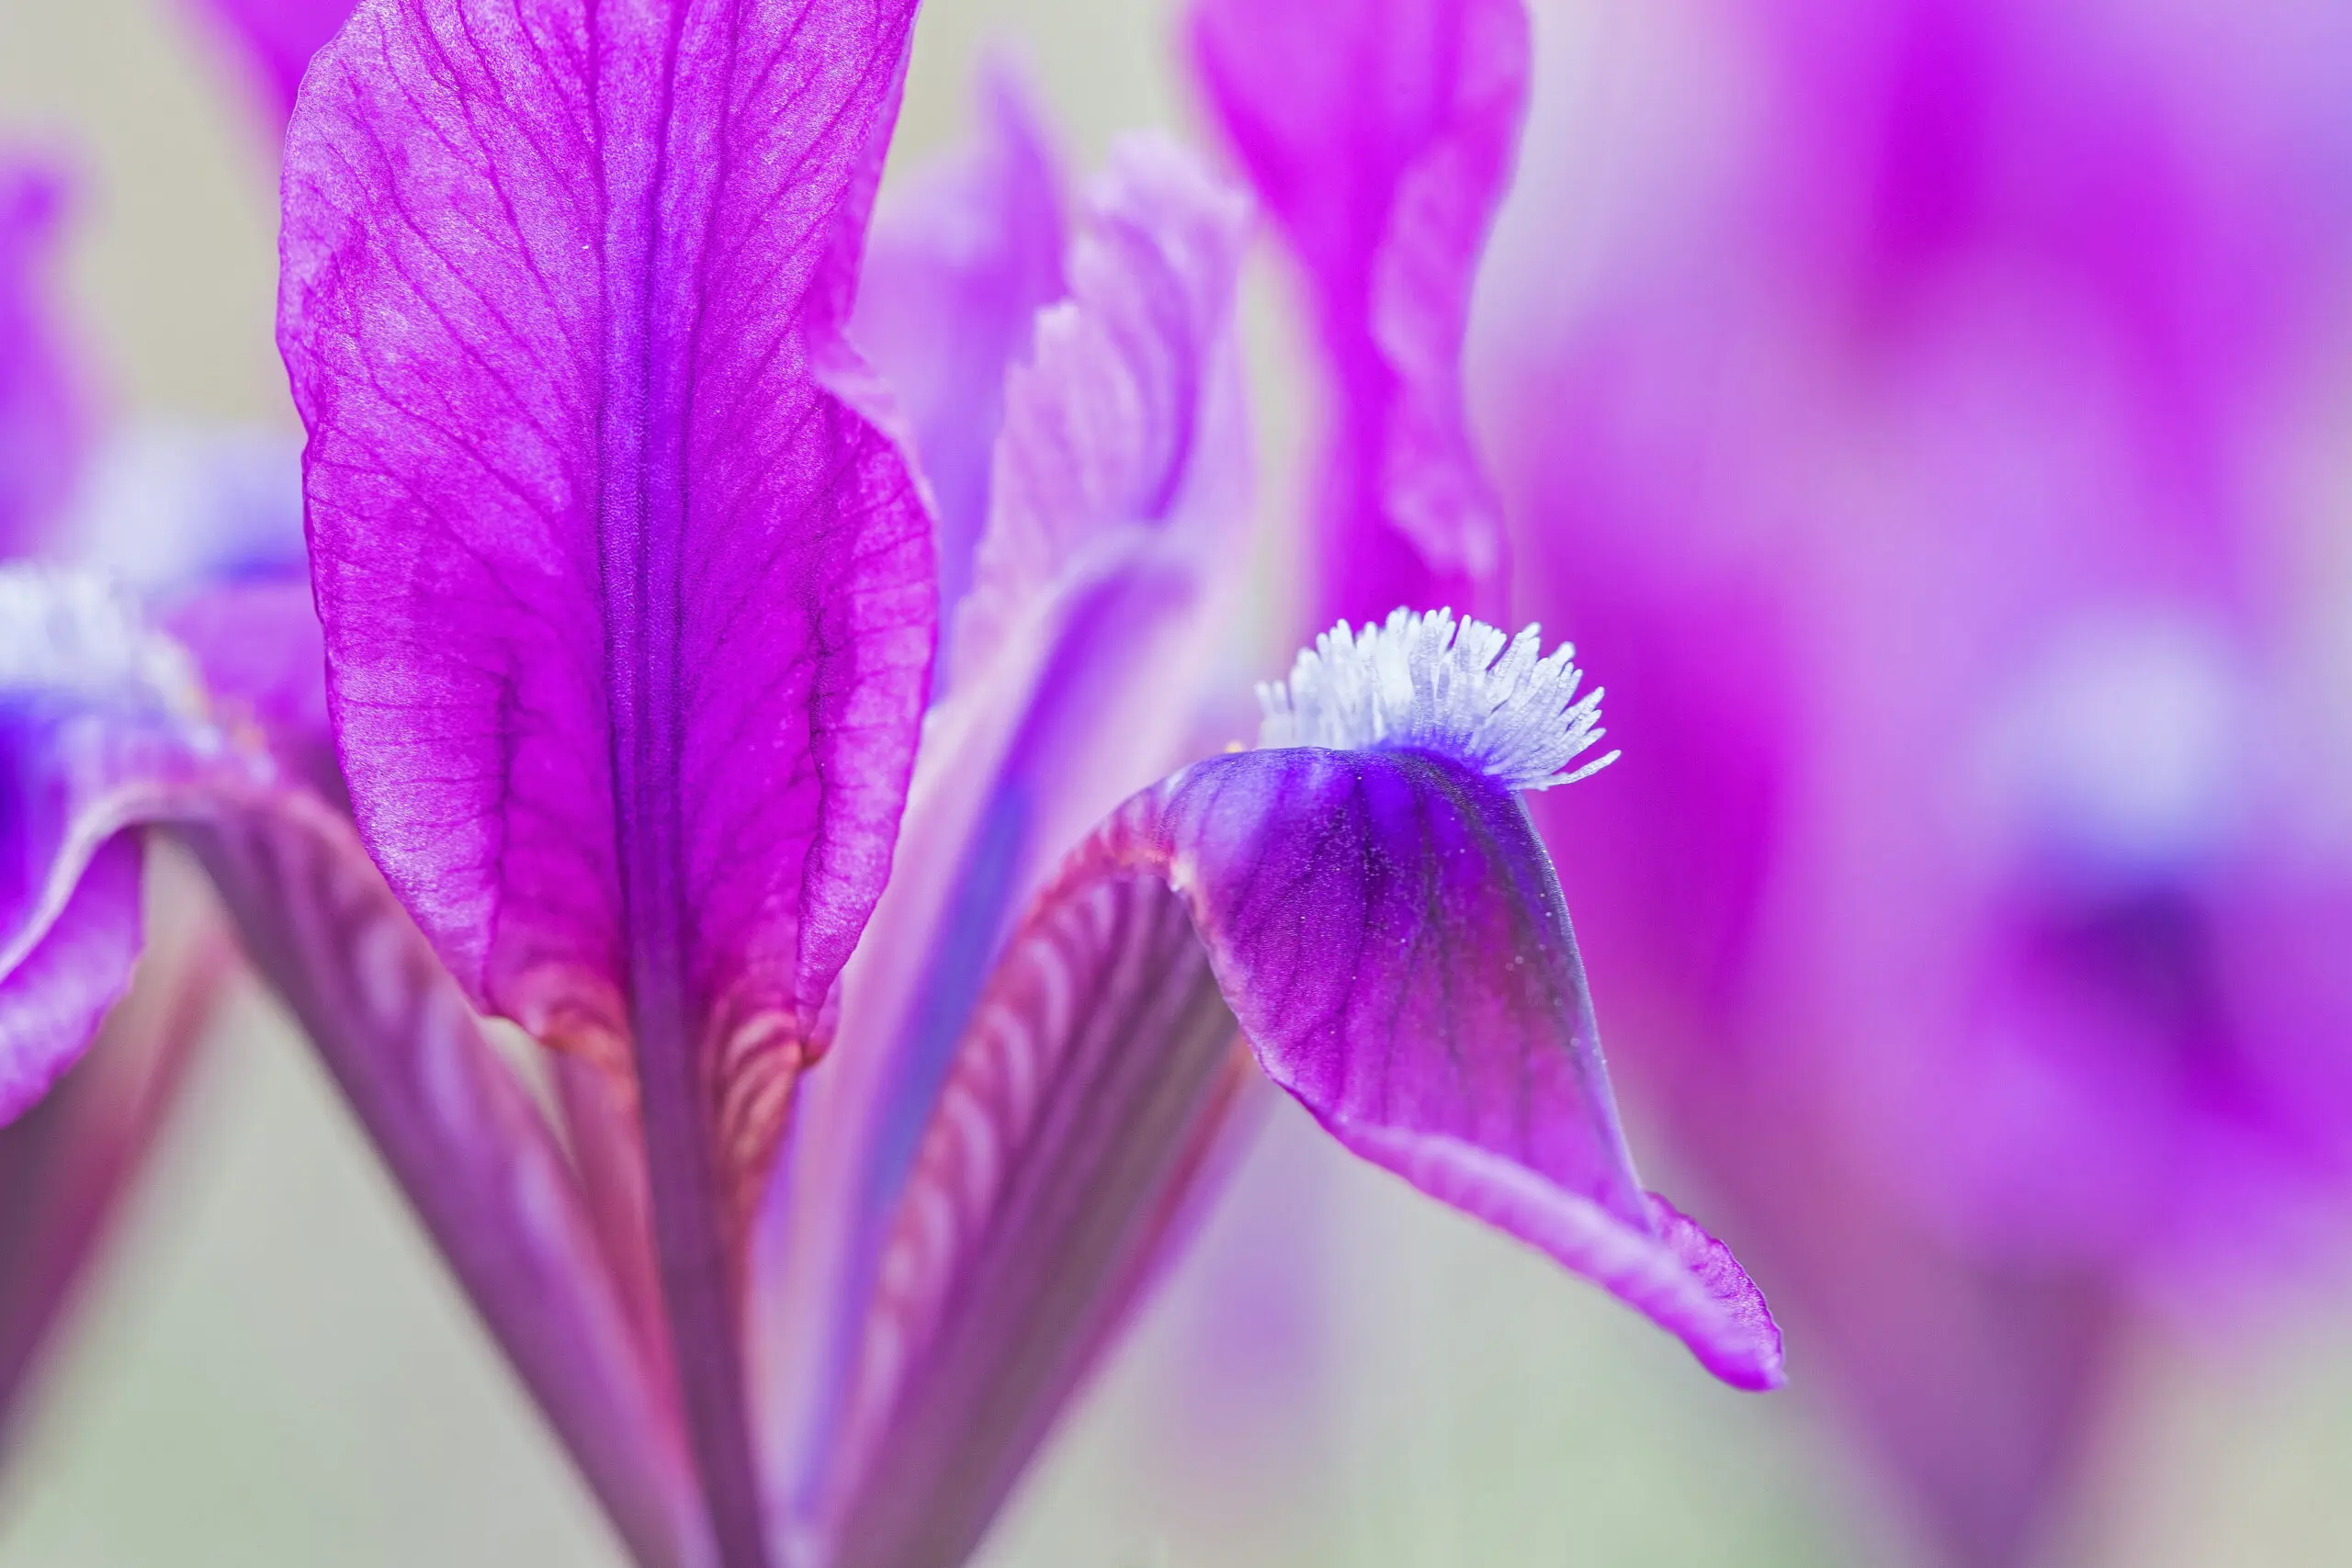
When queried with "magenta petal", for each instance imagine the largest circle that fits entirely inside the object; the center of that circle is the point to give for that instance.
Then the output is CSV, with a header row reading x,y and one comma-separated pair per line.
x,y
1081,1102
52,1001
624,610
102,727
65,1164
1091,611
1381,136
41,422
1392,938
628,614
467,1144
955,270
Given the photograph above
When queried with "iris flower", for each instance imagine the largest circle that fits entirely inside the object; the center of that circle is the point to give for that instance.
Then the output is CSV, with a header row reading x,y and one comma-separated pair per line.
x,y
886,1020
1935,446
71,1144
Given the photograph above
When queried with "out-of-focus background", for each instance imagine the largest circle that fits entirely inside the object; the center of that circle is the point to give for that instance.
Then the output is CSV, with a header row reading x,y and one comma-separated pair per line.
x,y
272,1369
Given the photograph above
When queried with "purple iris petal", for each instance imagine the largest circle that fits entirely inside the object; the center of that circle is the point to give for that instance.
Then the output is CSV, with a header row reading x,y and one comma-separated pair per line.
x,y
1392,938
1083,1099
66,1164
59,990
1381,137
629,614
41,419
955,270
467,1145
1385,929
105,734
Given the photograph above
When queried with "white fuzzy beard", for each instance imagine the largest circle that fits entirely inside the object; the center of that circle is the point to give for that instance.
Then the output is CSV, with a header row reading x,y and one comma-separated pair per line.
x,y
1427,683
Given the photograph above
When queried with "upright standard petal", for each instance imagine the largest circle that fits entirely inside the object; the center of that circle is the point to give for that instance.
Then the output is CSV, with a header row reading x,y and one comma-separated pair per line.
x,y
41,425
628,614
1381,136
959,264
1382,926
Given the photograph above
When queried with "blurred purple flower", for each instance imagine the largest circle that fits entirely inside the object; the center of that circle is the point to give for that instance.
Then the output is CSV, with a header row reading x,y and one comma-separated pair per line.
x,y
67,1161
629,582
1380,136
1930,436
43,423
278,38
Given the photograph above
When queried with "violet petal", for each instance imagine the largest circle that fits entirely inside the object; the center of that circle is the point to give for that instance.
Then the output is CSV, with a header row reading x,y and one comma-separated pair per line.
x,y
467,1144
1386,930
1389,931
41,419
1381,137
957,268
58,994
102,726
628,612
103,733
1096,601
65,1164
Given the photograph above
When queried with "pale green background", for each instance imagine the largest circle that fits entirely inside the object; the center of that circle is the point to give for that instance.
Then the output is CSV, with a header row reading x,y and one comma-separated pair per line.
x,y
276,1372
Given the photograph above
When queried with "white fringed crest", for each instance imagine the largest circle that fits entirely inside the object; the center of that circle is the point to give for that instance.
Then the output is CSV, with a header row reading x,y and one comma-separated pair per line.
x,y
1429,682
73,633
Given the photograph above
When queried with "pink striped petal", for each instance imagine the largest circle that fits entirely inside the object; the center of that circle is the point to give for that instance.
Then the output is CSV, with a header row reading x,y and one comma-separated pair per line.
x,y
66,1164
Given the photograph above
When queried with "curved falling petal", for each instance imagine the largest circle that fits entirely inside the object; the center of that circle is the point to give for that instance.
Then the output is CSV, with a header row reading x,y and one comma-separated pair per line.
x,y
1381,137
66,1164
102,725
106,738
628,612
1392,939
1383,927
58,992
